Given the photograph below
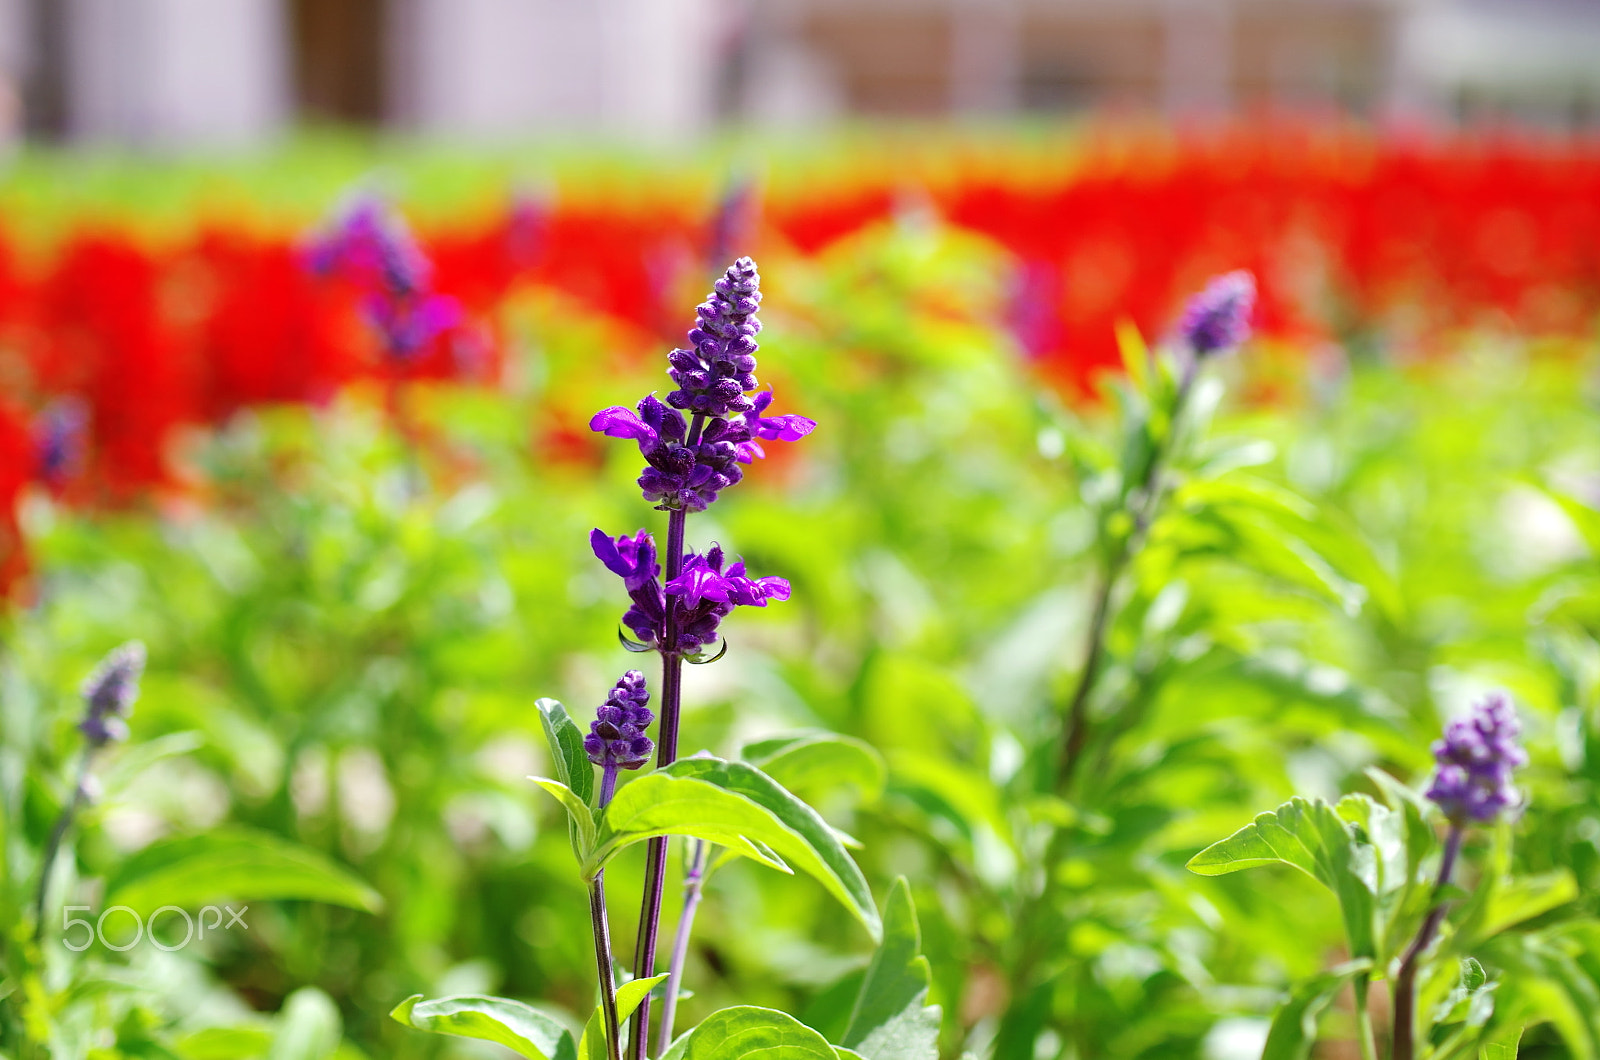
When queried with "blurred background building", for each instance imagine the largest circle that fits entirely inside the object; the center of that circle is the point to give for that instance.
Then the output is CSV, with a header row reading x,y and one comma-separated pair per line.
x,y
172,73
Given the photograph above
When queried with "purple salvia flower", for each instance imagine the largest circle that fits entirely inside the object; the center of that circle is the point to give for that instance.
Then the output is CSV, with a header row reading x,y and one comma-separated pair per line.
x,y
109,692
1475,761
633,559
704,593
408,325
692,462
736,216
1218,318
59,434
616,737
1032,313
719,370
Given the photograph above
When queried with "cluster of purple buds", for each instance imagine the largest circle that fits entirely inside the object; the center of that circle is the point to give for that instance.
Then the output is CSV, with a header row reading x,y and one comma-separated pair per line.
x,y
372,248
1218,318
703,593
616,737
691,460
109,692
1475,761
720,368
59,436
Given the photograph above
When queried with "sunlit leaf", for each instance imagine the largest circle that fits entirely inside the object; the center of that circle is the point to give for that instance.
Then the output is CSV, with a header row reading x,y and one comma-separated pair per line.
x,y
519,1027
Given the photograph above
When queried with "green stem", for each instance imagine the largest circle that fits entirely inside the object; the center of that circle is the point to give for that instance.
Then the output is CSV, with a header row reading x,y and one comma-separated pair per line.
x,y
1364,1038
52,846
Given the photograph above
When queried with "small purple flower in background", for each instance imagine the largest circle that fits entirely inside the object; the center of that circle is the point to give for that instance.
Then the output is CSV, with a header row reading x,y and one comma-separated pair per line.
x,y
1218,318
1475,761
1033,308
527,229
409,325
59,440
617,737
109,692
371,246
737,214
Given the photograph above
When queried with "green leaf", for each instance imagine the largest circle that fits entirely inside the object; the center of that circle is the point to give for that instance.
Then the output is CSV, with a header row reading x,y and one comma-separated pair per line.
x,y
582,829
309,1027
1315,839
803,838
224,1043
141,756
592,1046
1505,902
233,863
891,1019
1294,1025
566,749
740,807
662,803
746,1031
519,1027
813,763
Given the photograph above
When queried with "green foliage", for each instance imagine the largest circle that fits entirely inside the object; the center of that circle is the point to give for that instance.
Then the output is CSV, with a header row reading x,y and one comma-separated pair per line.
x,y
232,863
347,635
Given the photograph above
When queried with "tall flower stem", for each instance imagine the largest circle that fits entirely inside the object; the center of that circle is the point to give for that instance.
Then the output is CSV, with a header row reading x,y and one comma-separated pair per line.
x,y
52,846
1142,507
1405,982
693,885
602,936
1143,511
655,869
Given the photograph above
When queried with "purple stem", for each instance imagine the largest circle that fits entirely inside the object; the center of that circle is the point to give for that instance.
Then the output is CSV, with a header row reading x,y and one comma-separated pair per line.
x,y
602,934
693,885
1405,982
655,867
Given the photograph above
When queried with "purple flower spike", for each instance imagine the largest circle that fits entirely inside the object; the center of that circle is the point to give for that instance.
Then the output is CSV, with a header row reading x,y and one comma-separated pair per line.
x,y
714,376
109,692
1476,759
693,459
59,435
616,737
1218,318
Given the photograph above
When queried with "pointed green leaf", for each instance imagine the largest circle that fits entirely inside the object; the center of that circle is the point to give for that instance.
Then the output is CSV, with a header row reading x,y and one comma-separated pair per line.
x,y
309,1027
662,803
572,764
520,1028
1313,838
592,1046
578,815
233,863
1294,1025
804,839
813,763
891,1019
747,1032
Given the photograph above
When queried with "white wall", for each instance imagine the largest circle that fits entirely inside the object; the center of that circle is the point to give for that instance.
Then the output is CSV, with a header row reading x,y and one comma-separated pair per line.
x,y
175,73
481,69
